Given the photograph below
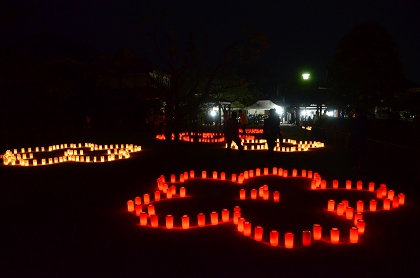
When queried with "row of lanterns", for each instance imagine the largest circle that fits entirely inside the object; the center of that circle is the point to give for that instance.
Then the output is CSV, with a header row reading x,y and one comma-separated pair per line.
x,y
261,144
25,157
150,218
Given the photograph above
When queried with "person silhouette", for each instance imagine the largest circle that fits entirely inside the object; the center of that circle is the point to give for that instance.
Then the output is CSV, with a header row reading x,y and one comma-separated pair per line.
x,y
231,131
271,132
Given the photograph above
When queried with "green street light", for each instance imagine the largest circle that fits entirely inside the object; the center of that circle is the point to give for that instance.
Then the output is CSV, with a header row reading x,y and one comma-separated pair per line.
x,y
306,76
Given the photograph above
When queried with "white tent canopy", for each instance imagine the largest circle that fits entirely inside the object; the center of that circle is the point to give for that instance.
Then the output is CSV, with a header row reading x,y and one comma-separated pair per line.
x,y
262,106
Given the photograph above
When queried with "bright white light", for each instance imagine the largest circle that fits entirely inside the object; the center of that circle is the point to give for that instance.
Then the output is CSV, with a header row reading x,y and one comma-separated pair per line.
x,y
330,113
279,110
306,76
213,113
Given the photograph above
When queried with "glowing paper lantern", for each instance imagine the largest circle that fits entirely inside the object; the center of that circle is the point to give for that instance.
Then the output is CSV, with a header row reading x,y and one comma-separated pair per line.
x,y
236,215
361,225
401,199
317,231
241,221
274,170
223,176
237,208
348,184
130,205
265,171
154,220
359,185
294,173
241,178
340,209
258,172
387,204
323,184
214,218
173,178
253,194
304,173
185,222
182,192
203,174
360,206
242,194
288,240
151,209
372,205
247,228
138,209
345,203
349,213
274,238
214,175
234,177
395,202
169,221
335,184
285,174
335,235
146,199
306,238
225,215
192,173
390,194
276,196
201,219
173,189
169,194
354,234
143,218
331,205
371,186
266,194
137,201
157,195
258,233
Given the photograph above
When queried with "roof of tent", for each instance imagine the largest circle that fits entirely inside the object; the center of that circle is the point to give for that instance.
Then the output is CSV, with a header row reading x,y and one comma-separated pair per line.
x,y
263,105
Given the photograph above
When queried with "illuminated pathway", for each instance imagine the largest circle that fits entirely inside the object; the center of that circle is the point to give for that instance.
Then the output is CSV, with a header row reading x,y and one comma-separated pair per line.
x,y
72,152
155,210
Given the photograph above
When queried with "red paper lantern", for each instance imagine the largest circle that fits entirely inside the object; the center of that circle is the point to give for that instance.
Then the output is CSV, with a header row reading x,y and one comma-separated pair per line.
x,y
201,219
357,216
258,172
401,198
146,199
143,218
317,231
387,204
390,194
276,196
151,209
130,205
335,235
253,194
348,184
340,209
247,228
234,177
154,220
169,221
331,205
192,173
285,173
214,175
274,238
395,202
306,238
182,192
265,171
359,185
223,176
294,173
335,184
157,195
274,170
225,215
349,213
372,205
304,173
203,174
288,240
258,233
371,186
360,206
173,178
361,225
354,234
266,194
185,222
236,215
214,218
242,194
241,221
137,201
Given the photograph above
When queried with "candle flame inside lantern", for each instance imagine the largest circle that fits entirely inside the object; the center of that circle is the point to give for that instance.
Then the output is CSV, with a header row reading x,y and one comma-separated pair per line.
x,y
354,234
201,218
214,218
185,222
247,228
274,238
169,221
317,231
288,240
306,238
258,233
335,235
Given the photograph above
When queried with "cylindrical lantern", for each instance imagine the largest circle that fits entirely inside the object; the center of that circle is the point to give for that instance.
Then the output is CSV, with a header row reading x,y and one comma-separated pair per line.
x,y
169,221
192,173
348,184
201,220
335,184
276,196
345,203
203,174
395,202
266,194
214,218
361,225
143,218
169,193
274,170
372,205
294,173
306,238
151,209
340,209
173,189
354,234
288,240
387,204
157,195
261,191
146,199
182,192
331,205
274,238
360,206
138,209
357,216
214,175
359,185
379,193
247,228
285,174
371,186
225,215
265,171
181,178
258,172
242,194
335,235
317,231
154,220
241,221
253,194
223,176
258,233
185,222
349,213
237,208
234,177
173,178
304,173
390,194
130,205
236,215
401,198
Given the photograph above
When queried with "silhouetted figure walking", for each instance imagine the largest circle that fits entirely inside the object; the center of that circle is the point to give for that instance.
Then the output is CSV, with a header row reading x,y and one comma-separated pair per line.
x,y
231,131
272,132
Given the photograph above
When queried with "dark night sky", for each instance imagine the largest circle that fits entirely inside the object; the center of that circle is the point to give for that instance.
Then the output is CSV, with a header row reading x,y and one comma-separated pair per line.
x,y
302,34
